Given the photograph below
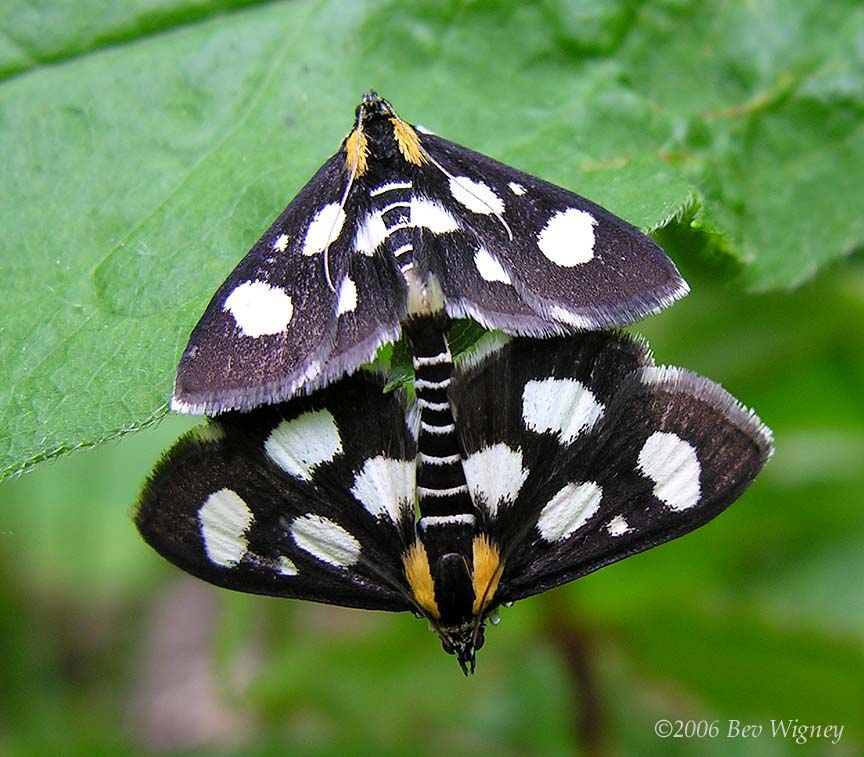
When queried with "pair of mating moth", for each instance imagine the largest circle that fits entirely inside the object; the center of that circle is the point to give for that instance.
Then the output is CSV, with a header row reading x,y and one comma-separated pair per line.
x,y
552,448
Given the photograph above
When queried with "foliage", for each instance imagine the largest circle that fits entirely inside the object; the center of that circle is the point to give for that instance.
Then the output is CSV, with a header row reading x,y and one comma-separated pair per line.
x,y
147,144
150,151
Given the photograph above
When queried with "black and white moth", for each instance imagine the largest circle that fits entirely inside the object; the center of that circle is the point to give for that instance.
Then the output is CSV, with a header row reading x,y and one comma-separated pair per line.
x,y
530,466
398,223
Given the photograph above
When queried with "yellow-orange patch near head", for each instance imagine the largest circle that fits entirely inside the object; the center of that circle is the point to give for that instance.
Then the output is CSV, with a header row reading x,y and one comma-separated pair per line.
x,y
487,572
408,142
357,149
419,575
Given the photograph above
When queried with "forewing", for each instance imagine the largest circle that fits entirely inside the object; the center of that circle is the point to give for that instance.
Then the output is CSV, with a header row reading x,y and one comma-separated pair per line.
x,y
308,499
297,312
371,303
611,469
536,249
576,374
456,261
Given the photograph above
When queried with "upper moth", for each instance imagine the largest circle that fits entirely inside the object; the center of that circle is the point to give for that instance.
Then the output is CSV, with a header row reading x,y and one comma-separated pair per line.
x,y
401,222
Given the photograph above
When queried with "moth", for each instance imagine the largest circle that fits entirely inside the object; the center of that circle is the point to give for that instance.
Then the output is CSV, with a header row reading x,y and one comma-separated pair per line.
x,y
402,223
524,467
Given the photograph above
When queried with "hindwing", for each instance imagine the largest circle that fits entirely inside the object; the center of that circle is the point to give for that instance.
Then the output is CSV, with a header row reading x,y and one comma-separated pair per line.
x,y
311,499
580,452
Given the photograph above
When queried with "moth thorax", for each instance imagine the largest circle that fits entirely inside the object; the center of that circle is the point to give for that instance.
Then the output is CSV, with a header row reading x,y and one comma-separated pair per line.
x,y
380,133
408,142
454,588
424,296
356,153
488,567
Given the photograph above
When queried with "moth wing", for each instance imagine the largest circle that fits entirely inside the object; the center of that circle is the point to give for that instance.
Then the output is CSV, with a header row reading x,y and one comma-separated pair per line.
x,y
308,499
604,465
297,312
536,259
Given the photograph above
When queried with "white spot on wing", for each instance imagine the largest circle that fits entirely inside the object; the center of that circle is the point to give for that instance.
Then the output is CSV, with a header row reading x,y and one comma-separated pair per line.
x,y
384,485
299,446
323,229
371,232
476,196
567,239
325,540
490,269
432,215
347,297
224,519
671,463
287,567
495,475
259,309
281,243
618,526
516,188
573,319
564,406
569,510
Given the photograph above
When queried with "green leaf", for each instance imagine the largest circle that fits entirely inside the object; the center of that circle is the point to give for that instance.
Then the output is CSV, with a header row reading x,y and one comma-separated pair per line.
x,y
36,33
146,149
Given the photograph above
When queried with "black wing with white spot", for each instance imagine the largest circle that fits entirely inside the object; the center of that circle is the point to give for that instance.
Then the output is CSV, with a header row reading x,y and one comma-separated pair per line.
x,y
579,453
529,467
527,257
402,223
311,499
301,309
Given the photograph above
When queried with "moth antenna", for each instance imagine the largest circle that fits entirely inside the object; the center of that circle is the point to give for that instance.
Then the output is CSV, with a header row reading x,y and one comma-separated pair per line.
x,y
478,621
468,190
342,202
357,124
475,632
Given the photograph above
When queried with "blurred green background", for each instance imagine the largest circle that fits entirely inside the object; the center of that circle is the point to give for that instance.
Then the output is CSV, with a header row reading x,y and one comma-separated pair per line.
x,y
144,150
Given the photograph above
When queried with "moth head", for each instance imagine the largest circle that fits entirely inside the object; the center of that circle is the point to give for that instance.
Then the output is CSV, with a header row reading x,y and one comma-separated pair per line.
x,y
456,596
372,104
463,641
380,135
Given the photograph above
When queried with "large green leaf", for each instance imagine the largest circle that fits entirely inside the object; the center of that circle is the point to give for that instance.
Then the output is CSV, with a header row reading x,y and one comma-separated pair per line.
x,y
144,153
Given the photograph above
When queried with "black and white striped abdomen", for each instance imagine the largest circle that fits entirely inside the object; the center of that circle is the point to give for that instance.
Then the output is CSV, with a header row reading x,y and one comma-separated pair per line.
x,y
388,223
442,491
